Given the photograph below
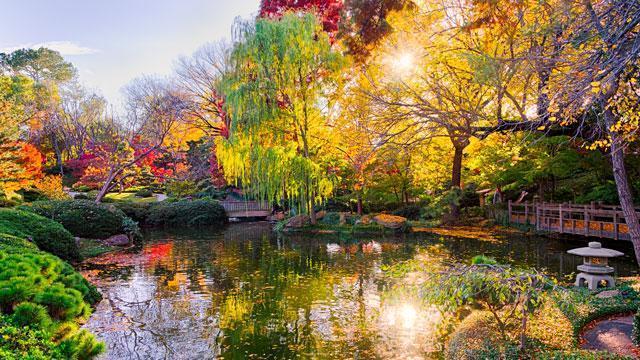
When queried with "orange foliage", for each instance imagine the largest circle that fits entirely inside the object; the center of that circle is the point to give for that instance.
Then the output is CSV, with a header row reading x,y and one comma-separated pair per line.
x,y
20,166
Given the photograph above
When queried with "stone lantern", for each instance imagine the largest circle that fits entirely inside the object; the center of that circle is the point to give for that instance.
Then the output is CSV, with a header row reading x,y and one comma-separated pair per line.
x,y
595,267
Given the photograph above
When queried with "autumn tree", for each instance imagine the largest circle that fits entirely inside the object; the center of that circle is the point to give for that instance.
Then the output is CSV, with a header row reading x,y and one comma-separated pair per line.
x,y
277,94
430,93
154,108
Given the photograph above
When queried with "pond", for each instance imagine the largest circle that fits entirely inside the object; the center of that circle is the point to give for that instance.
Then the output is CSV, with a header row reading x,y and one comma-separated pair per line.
x,y
242,292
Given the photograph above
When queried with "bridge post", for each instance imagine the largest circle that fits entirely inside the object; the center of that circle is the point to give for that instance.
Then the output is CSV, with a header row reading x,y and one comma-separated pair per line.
x,y
560,214
586,221
615,224
509,215
537,207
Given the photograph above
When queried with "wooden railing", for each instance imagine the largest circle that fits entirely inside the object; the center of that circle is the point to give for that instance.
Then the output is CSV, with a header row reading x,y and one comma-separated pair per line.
x,y
234,206
597,220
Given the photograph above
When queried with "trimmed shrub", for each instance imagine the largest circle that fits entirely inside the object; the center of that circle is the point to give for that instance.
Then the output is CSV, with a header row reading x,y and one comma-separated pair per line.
x,y
477,338
30,314
47,234
82,218
186,213
7,240
43,279
80,197
144,193
29,195
331,218
411,212
136,211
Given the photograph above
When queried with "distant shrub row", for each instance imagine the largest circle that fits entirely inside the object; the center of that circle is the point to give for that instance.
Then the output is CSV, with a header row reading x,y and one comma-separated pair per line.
x,y
186,213
84,218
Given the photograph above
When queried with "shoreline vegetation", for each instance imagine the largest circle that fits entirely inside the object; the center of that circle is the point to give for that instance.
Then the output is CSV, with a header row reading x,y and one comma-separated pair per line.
x,y
563,311
341,118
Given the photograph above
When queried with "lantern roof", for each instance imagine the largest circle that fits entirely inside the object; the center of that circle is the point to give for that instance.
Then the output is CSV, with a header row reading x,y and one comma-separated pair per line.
x,y
595,249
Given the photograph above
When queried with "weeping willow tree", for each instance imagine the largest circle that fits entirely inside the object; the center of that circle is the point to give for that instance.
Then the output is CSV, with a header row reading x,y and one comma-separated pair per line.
x,y
278,95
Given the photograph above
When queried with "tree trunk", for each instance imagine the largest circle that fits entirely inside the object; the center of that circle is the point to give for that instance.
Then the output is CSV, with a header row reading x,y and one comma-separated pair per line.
x,y
456,177
359,204
106,186
622,184
312,211
58,153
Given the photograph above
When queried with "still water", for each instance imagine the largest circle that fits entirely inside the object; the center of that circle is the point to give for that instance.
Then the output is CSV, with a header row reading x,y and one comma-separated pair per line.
x,y
243,293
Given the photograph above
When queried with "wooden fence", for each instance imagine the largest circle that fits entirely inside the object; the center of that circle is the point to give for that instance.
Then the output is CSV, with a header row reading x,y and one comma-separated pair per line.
x,y
597,220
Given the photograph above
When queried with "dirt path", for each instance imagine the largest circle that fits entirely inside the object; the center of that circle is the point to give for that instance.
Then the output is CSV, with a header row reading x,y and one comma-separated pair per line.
x,y
613,335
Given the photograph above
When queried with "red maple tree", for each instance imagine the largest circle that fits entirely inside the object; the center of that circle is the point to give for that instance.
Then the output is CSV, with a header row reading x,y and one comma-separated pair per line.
x,y
327,11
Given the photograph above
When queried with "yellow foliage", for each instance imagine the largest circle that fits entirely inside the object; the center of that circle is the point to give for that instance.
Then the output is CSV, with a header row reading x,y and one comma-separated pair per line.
x,y
51,187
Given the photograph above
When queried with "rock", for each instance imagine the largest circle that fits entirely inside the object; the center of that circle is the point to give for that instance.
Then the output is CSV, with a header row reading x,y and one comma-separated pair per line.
x,y
117,240
343,218
390,221
607,294
320,214
298,221
364,220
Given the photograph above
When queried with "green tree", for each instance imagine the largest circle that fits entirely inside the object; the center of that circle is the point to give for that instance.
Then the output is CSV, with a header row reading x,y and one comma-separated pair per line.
x,y
39,64
277,94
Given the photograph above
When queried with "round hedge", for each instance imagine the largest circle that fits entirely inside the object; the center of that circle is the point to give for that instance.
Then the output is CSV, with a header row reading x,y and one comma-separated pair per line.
x,y
47,234
83,218
186,213
476,337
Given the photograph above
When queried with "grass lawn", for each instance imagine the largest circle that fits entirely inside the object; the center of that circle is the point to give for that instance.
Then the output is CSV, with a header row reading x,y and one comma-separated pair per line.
x,y
129,196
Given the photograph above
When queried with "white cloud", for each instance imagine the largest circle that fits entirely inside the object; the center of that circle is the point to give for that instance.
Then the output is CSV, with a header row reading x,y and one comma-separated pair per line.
x,y
63,47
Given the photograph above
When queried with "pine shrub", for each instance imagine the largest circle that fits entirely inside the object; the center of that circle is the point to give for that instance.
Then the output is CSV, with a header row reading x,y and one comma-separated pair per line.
x,y
47,234
83,218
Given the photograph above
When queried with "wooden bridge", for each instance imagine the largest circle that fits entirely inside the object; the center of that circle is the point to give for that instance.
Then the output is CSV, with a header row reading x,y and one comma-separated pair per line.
x,y
604,221
245,209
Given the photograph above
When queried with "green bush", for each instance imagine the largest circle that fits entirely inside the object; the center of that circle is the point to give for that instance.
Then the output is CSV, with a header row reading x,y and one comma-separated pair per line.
x,y
7,203
80,197
81,188
36,343
7,240
83,218
17,343
46,280
186,213
411,212
29,195
181,188
30,314
47,234
134,210
331,218
144,193
477,337
472,212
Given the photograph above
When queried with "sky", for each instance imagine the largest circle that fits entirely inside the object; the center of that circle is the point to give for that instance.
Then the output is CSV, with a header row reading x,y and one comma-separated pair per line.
x,y
112,42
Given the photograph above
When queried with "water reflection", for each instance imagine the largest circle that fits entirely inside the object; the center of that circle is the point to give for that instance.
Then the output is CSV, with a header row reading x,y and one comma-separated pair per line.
x,y
242,293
